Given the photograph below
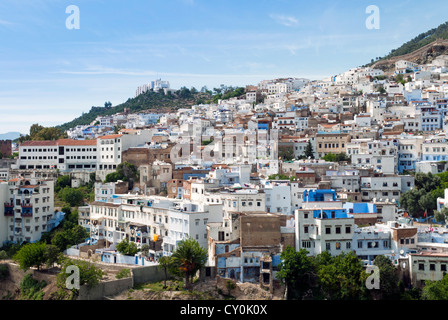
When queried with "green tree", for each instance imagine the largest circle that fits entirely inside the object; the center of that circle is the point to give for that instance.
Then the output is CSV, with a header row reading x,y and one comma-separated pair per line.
x,y
52,255
62,182
60,240
436,290
309,152
389,280
286,153
125,171
188,259
424,196
31,255
442,215
3,255
89,274
165,264
77,235
127,247
342,277
427,181
336,157
72,196
296,272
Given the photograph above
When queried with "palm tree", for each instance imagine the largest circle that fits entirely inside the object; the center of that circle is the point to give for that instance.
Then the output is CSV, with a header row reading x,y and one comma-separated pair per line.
x,y
188,259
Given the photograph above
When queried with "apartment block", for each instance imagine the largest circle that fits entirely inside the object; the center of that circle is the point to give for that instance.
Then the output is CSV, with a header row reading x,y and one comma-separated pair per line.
x,y
28,209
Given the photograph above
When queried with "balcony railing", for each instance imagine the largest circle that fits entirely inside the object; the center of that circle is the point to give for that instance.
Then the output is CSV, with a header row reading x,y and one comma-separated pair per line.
x,y
9,209
27,205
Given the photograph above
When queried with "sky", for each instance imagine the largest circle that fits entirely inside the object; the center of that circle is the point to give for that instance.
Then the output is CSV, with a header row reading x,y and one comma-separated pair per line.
x,y
51,73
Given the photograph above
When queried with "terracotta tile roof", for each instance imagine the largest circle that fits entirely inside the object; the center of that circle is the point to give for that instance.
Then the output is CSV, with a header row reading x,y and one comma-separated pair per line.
x,y
41,143
111,136
71,142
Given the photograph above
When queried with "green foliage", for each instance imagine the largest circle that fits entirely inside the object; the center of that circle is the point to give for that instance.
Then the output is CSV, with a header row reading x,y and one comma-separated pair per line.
x,y
442,215
89,274
124,273
38,132
72,196
281,177
389,280
125,171
188,258
338,157
12,248
224,93
60,240
381,90
150,100
31,255
309,152
65,238
286,153
4,272
436,290
31,289
296,271
145,250
127,247
52,255
62,182
428,188
341,277
441,32
165,263
3,255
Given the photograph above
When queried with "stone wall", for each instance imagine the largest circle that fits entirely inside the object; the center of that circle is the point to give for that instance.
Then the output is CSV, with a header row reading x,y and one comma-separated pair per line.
x,y
148,274
105,289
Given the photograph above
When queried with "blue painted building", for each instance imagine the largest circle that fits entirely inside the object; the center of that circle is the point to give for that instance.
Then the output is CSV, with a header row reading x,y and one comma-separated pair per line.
x,y
319,195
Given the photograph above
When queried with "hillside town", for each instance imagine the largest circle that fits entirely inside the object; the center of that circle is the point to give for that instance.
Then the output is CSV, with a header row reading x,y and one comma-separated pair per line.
x,y
319,165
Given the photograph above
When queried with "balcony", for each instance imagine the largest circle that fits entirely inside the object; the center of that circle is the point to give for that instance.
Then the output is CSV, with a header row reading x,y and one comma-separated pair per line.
x,y
27,204
27,209
9,209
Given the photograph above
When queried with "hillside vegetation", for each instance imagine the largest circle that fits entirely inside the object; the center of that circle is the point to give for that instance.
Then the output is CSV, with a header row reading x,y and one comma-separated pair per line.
x,y
423,39
152,101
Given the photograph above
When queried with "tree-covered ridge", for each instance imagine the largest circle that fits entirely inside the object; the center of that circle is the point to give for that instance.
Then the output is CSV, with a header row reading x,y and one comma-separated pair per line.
x,y
150,100
423,39
158,101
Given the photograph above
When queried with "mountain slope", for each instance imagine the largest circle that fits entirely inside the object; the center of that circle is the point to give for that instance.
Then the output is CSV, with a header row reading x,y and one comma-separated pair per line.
x,y
425,46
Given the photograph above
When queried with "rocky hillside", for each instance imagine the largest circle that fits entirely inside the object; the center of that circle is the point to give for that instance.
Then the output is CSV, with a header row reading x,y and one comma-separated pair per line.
x,y
422,55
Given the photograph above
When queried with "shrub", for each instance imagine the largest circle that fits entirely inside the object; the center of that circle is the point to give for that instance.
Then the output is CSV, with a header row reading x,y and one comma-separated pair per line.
x,y
124,273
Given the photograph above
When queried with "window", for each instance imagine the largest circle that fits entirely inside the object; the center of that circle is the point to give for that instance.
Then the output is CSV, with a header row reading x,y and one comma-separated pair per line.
x,y
305,229
327,230
443,267
359,244
421,267
432,267
348,229
338,230
328,246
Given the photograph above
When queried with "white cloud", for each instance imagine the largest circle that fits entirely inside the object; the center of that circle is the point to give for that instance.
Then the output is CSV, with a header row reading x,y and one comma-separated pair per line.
x,y
288,21
5,23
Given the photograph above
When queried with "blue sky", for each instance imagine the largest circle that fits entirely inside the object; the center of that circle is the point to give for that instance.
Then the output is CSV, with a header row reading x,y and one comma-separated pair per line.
x,y
50,74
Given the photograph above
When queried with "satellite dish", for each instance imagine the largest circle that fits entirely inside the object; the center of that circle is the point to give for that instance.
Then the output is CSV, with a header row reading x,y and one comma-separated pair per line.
x,y
402,252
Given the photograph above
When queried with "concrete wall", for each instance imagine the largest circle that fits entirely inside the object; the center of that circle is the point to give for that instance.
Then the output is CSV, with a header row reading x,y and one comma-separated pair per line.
x,y
148,274
104,289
